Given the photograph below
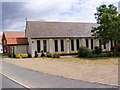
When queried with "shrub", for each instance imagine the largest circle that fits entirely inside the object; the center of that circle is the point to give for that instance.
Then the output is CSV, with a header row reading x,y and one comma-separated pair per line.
x,y
29,56
22,56
96,55
18,56
10,55
62,53
55,55
97,50
116,48
48,54
74,52
83,51
109,54
116,53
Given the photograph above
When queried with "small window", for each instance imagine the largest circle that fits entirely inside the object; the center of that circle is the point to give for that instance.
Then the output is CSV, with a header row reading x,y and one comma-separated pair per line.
x,y
56,45
44,45
38,46
87,43
72,45
77,43
91,43
62,45
104,46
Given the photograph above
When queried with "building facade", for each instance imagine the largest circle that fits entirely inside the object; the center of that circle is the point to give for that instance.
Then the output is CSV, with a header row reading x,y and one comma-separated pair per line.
x,y
1,50
60,37
11,40
53,37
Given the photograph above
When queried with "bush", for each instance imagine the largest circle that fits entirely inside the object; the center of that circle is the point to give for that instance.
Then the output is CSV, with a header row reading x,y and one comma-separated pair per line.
x,y
18,56
10,55
109,54
96,55
62,53
83,51
56,55
97,50
22,56
116,53
29,56
48,54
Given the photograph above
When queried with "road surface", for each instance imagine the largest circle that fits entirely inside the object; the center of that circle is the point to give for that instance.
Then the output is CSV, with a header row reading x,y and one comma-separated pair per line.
x,y
7,83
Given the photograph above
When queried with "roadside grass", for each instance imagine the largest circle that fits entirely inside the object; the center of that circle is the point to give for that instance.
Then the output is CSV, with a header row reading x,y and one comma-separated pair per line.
x,y
102,60
0,55
3,56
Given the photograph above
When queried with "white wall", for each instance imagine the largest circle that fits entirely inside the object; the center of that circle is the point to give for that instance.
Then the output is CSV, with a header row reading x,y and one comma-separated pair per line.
x,y
67,45
20,49
1,50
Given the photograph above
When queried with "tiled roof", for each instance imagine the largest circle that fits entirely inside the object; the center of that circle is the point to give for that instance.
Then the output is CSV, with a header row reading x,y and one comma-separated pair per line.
x,y
15,38
17,41
59,29
14,34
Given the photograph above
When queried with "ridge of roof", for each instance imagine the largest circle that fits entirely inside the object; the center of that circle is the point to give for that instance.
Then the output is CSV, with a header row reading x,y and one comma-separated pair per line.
x,y
13,31
62,22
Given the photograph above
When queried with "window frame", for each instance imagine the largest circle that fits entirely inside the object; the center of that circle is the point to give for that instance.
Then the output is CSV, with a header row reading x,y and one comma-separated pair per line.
x,y
77,44
38,46
56,45
45,45
92,44
87,43
62,45
72,45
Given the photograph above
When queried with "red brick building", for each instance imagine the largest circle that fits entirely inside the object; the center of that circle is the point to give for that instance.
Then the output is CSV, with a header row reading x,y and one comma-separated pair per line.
x,y
11,39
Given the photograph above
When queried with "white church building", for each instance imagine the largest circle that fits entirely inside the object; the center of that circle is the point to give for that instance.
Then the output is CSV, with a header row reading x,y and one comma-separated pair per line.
x,y
60,37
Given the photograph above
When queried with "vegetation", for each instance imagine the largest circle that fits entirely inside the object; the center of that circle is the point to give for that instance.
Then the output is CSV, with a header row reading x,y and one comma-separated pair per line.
x,y
22,56
109,28
50,55
83,51
97,53
97,50
55,55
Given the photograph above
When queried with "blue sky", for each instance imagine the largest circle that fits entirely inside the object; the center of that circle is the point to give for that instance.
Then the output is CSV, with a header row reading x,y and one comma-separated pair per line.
x,y
14,13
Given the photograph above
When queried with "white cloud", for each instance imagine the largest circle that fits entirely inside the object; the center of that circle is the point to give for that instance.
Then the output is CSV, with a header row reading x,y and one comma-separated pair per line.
x,y
52,10
14,26
59,10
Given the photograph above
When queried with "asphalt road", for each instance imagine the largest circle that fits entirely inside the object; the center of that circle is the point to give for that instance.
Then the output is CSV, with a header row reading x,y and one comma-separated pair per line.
x,y
7,83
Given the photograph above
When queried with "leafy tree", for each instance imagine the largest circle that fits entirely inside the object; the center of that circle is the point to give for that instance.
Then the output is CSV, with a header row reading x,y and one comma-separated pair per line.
x,y
109,24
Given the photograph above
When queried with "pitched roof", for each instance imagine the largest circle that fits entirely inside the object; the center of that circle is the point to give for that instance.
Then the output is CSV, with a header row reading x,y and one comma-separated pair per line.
x,y
14,34
15,38
17,41
59,29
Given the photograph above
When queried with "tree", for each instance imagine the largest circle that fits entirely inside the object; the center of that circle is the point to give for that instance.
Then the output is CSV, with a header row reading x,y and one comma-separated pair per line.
x,y
109,24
